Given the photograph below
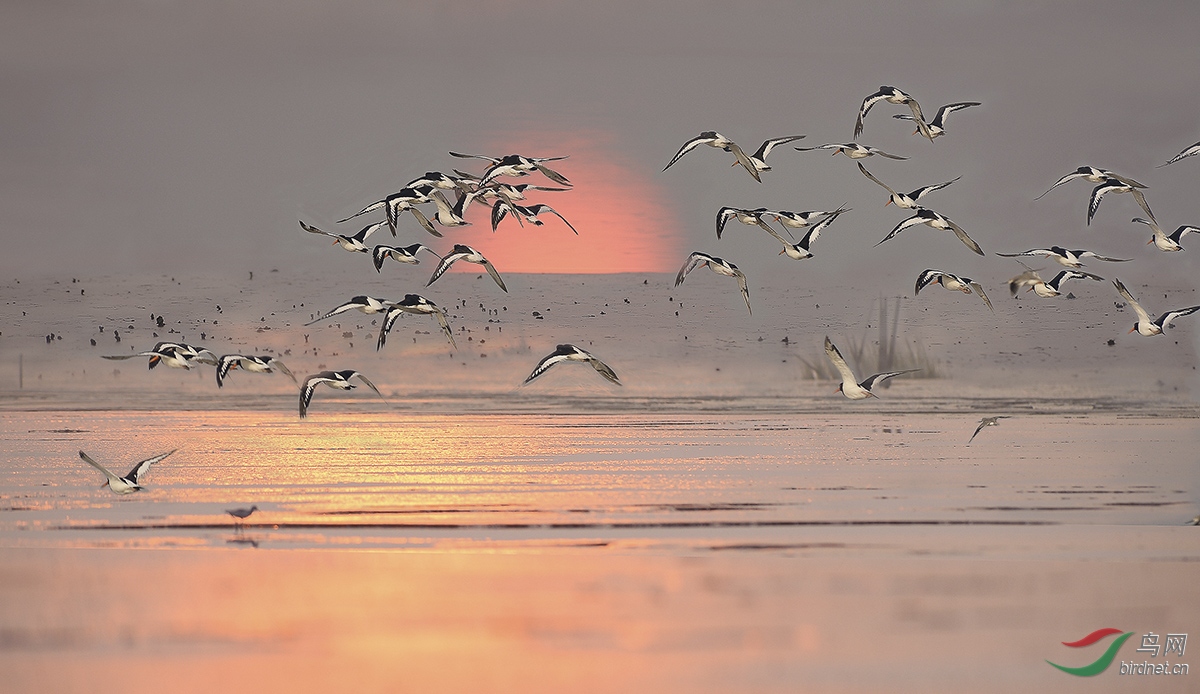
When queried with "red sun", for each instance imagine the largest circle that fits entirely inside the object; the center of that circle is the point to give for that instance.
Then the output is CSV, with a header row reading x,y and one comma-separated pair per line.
x,y
623,224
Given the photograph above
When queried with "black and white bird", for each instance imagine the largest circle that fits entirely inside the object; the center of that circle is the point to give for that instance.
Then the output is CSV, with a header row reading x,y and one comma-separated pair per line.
x,y
254,363
851,387
799,220
747,217
500,190
1114,186
1053,288
518,165
904,200
413,303
1164,241
354,243
333,379
463,252
1092,175
524,213
759,158
852,150
1145,326
965,285
719,266
1189,152
129,483
937,221
1063,256
403,200
892,96
177,355
937,126
449,215
363,303
1029,278
987,422
569,352
401,254
803,250
442,181
715,139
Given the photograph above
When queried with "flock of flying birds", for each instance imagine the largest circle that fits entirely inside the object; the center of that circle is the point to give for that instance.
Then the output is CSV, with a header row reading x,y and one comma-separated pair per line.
x,y
507,199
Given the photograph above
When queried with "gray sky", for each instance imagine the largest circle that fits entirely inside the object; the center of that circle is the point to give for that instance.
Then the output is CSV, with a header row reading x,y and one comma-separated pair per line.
x,y
159,136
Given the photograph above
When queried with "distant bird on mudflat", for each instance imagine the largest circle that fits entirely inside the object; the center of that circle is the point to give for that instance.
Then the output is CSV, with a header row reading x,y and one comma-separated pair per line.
x,y
1092,175
852,150
987,422
719,266
937,126
965,285
404,254
569,352
850,386
1145,326
904,200
365,304
413,303
1163,241
933,219
715,139
524,214
1064,257
333,379
254,363
802,250
892,96
177,355
759,157
1189,152
463,252
1053,288
747,217
241,514
129,483
1115,186
354,243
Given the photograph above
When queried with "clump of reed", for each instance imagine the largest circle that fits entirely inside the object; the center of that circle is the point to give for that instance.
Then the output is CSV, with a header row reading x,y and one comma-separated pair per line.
x,y
887,353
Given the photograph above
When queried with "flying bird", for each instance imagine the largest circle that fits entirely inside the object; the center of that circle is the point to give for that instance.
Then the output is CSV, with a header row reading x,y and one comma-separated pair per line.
x,y
758,159
1053,288
1064,257
987,422
747,217
366,304
414,303
801,250
719,266
937,126
892,96
517,165
1114,186
129,483
177,355
1189,152
253,363
1030,278
904,200
850,387
1145,326
524,214
569,352
1163,241
933,219
465,253
1093,175
333,379
405,254
852,150
354,243
405,199
799,220
715,139
965,285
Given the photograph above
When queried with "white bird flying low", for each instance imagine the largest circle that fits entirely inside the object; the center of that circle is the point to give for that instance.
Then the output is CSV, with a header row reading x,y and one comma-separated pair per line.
x,y
747,217
354,243
802,250
333,379
1164,241
758,159
129,483
363,303
524,214
799,220
851,387
518,165
933,219
937,126
892,96
414,303
1114,186
1189,152
1053,288
254,363
569,352
1064,257
852,150
177,355
904,200
719,266
965,285
463,252
1146,326
403,254
987,422
1093,175
405,199
715,139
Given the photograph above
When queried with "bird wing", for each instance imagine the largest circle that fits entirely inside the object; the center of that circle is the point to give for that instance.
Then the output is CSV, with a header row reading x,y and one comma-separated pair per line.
x,y
723,216
499,209
493,160
1141,200
603,369
107,473
922,126
1098,194
744,161
762,224
283,369
867,103
820,226
741,278
1069,177
868,174
1037,252
424,222
389,319
444,265
546,362
495,275
1143,317
869,382
687,147
546,208
1181,232
306,390
690,264
135,475
313,230
552,174
348,306
131,356
925,278
1190,151
882,153
1097,256
224,364
922,192
982,423
368,384
945,111
769,145
441,319
983,295
962,236
369,208
1164,321
911,221
839,362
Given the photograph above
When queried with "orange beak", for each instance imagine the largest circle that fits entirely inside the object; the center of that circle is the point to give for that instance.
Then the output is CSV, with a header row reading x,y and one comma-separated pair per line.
x,y
1150,241
888,202
1132,329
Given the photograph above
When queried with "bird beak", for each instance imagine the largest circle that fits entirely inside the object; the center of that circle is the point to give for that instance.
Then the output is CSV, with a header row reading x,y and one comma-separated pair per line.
x,y
888,202
783,251
104,485
1132,329
916,131
1150,241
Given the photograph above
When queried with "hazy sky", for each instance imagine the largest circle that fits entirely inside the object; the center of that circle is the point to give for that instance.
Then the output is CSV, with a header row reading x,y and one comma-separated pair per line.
x,y
148,136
